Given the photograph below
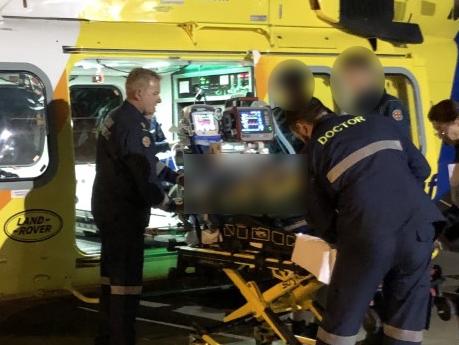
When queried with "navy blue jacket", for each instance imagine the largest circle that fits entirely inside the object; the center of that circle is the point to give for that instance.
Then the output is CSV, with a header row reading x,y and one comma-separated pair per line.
x,y
393,108
365,179
127,181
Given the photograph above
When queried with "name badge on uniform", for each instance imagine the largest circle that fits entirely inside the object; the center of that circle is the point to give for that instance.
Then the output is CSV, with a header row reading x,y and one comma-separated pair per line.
x,y
146,141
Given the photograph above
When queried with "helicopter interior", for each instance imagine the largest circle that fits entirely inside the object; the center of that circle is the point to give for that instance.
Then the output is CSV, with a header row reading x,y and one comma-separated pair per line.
x,y
97,87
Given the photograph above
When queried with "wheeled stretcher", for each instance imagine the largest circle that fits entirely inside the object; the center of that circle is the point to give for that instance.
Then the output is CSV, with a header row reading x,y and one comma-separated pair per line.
x,y
293,289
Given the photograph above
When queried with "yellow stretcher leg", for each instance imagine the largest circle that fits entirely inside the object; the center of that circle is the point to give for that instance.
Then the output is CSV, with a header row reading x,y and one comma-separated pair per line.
x,y
268,296
208,340
260,308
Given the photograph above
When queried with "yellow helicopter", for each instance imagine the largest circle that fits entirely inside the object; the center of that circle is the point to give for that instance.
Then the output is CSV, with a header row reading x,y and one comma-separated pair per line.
x,y
63,66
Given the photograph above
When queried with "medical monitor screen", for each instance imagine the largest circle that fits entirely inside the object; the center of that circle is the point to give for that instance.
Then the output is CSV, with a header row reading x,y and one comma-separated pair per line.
x,y
204,123
255,123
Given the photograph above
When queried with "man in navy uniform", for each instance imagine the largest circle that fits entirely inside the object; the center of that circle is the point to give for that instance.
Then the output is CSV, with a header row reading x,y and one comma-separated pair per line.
x,y
366,190
361,81
126,186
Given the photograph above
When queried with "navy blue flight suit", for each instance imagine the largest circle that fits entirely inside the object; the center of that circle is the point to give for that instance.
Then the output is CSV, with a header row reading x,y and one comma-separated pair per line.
x,y
393,108
125,188
367,189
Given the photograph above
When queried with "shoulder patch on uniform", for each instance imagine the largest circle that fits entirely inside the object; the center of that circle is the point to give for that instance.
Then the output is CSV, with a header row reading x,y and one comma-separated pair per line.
x,y
397,114
146,141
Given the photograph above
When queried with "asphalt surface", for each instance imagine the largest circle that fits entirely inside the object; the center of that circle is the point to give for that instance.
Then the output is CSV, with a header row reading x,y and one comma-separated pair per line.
x,y
165,318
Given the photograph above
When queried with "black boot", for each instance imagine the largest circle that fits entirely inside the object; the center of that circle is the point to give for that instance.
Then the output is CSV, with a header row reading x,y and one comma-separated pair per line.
x,y
123,311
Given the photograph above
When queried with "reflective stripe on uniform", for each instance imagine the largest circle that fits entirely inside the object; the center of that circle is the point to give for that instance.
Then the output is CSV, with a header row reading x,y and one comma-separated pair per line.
x,y
159,167
125,290
403,334
334,339
295,225
359,155
104,281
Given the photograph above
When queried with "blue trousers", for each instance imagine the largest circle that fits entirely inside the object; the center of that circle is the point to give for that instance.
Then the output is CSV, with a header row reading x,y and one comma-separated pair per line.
x,y
402,263
121,280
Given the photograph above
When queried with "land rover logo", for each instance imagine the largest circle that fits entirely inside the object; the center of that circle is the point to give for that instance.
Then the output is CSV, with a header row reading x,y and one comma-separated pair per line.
x,y
33,226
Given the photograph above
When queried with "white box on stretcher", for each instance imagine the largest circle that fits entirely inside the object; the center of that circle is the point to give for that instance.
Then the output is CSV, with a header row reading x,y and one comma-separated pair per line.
x,y
314,255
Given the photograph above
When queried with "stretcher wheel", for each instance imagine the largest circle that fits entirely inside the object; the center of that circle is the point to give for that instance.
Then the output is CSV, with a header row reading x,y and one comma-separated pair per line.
x,y
445,308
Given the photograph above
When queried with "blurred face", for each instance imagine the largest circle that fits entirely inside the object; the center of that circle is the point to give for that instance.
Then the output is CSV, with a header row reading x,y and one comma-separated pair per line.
x,y
447,131
357,79
148,97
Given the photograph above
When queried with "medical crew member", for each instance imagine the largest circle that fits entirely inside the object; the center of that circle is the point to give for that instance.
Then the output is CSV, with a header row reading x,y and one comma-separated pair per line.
x,y
368,178
288,80
362,82
125,188
444,117
357,82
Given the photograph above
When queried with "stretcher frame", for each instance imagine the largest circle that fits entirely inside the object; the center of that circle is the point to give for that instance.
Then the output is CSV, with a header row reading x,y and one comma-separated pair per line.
x,y
294,291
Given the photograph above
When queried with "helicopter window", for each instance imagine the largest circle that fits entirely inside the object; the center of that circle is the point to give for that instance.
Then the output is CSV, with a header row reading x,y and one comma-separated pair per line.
x,y
23,129
90,104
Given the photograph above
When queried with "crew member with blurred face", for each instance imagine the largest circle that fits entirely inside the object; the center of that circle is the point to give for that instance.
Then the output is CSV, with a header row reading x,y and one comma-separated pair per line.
x,y
382,220
358,88
125,188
